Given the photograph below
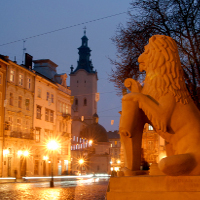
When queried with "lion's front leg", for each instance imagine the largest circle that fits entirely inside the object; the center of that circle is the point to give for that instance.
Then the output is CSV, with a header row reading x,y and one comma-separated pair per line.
x,y
158,112
131,128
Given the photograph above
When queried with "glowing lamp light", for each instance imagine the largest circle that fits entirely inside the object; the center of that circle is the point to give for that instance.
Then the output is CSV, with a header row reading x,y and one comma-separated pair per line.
x,y
45,157
118,161
19,153
6,152
81,161
52,145
26,153
90,142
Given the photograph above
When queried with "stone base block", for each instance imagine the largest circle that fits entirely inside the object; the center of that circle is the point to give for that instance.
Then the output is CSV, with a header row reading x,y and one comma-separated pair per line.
x,y
154,188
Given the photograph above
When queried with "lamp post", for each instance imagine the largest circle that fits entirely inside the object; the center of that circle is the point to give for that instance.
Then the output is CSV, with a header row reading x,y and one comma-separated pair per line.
x,y
52,145
81,161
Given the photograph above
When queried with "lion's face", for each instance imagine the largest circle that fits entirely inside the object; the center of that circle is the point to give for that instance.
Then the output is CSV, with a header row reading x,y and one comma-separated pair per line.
x,y
144,59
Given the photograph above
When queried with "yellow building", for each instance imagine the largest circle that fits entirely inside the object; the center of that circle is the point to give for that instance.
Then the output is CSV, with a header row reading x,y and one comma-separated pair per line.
x,y
36,109
52,120
152,144
3,69
18,131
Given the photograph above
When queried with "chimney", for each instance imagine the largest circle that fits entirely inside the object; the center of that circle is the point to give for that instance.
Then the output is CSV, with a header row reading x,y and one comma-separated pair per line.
x,y
28,61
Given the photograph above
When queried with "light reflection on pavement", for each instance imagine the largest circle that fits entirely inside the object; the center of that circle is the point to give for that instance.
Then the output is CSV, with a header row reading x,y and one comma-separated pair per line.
x,y
92,188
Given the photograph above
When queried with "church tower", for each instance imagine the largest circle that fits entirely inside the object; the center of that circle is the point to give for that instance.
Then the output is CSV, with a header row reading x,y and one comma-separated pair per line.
x,y
83,85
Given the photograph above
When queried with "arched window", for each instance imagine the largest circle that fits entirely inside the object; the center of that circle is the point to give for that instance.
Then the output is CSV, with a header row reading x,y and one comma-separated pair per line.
x,y
85,102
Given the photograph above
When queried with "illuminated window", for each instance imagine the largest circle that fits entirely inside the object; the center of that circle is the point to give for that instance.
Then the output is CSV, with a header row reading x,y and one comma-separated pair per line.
x,y
66,109
77,139
39,94
115,143
38,115
63,110
11,99
12,75
74,138
28,83
20,79
20,102
150,128
27,103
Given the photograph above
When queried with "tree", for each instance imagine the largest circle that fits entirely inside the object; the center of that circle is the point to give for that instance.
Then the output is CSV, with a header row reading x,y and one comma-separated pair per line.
x,y
179,19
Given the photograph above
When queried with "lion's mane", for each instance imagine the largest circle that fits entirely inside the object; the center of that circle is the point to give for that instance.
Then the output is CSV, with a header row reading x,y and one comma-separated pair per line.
x,y
164,72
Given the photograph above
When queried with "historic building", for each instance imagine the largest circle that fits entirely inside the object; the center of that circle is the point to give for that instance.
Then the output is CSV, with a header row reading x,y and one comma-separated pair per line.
x,y
115,150
35,107
18,133
3,69
89,138
52,119
153,145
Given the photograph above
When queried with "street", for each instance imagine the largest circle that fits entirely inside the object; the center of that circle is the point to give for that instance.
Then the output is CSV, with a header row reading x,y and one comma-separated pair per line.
x,y
92,188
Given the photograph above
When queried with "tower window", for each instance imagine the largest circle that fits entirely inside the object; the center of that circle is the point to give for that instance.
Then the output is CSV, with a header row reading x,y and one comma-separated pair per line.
x,y
76,102
85,102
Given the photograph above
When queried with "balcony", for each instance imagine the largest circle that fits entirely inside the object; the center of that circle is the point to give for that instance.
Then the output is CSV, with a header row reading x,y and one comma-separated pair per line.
x,y
21,135
65,134
66,116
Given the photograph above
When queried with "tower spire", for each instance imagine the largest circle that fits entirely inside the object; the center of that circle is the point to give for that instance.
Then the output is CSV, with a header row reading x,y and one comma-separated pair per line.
x,y
84,31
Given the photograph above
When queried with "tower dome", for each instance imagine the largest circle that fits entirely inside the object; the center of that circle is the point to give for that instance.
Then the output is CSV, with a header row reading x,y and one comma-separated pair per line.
x,y
95,132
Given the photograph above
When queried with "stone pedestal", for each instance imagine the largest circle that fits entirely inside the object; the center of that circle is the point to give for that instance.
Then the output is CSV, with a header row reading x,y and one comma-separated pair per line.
x,y
154,188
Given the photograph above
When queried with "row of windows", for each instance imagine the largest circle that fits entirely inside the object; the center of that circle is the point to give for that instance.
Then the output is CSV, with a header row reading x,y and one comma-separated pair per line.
x,y
20,100
79,146
18,126
84,102
20,79
49,96
63,108
49,114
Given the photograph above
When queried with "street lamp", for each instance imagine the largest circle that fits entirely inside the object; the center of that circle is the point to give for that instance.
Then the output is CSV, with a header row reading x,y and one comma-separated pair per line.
x,y
52,145
81,161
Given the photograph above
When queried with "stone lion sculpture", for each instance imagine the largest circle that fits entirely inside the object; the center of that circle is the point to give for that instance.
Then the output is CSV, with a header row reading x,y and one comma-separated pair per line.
x,y
165,103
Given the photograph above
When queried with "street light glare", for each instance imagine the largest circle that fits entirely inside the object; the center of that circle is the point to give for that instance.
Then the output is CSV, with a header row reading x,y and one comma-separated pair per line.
x,y
81,161
52,145
26,153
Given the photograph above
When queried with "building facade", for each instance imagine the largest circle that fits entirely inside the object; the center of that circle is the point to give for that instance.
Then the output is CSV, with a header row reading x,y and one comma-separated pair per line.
x,y
18,129
35,108
115,150
52,119
3,70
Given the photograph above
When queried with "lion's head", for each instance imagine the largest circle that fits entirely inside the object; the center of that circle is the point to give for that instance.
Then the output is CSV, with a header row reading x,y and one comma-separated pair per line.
x,y
163,69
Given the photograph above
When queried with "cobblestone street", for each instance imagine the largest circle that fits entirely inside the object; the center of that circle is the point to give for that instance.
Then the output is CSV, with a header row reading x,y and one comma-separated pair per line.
x,y
89,189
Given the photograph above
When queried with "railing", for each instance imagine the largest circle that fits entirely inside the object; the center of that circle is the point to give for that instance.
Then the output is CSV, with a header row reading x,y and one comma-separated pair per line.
x,y
67,116
21,135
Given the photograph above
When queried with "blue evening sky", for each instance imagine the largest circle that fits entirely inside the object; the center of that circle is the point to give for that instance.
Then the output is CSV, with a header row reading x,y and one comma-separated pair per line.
x,y
24,18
